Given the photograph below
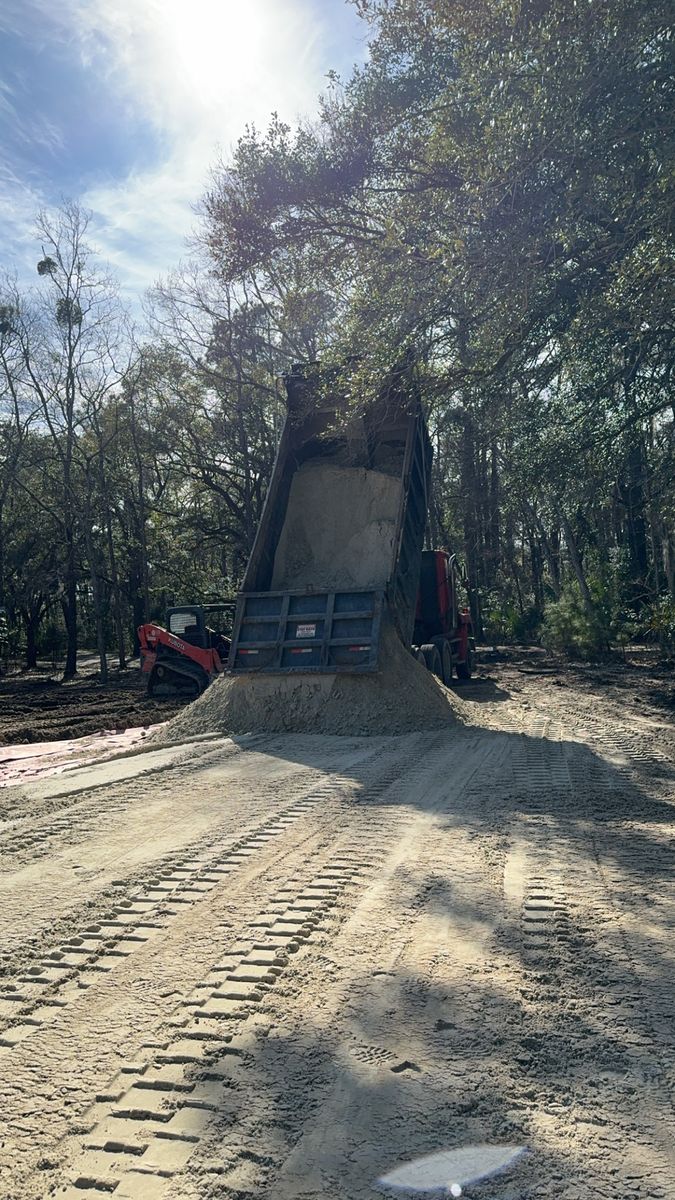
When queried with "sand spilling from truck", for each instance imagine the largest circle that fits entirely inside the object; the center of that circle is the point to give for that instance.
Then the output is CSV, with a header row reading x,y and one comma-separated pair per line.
x,y
339,529
399,698
338,534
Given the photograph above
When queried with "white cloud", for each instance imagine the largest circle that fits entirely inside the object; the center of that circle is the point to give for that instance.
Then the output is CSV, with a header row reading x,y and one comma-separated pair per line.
x,y
196,71
141,222
199,71
19,202
195,66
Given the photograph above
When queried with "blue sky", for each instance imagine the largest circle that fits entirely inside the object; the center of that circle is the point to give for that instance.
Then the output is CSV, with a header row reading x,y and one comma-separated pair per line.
x,y
125,105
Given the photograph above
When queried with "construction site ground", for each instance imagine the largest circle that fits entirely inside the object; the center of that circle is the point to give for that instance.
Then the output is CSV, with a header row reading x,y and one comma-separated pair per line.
x,y
37,706
280,966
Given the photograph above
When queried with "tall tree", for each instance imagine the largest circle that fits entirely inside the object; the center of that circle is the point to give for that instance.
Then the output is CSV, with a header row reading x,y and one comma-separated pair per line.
x,y
68,350
492,190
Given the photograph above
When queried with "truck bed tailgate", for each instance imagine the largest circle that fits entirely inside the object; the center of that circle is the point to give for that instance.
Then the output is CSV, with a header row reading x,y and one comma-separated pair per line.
x,y
301,631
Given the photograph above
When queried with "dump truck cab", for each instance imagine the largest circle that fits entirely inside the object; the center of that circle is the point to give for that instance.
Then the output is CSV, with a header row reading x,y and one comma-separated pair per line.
x,y
442,636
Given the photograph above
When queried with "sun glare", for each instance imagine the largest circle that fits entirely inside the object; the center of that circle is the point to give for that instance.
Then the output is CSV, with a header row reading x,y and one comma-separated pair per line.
x,y
201,69
215,45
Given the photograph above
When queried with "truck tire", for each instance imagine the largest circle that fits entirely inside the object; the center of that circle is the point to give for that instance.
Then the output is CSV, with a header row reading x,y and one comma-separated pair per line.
x,y
432,660
445,652
465,669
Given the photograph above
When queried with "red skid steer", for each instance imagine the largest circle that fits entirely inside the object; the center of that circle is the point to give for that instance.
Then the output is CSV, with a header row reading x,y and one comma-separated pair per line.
x,y
187,654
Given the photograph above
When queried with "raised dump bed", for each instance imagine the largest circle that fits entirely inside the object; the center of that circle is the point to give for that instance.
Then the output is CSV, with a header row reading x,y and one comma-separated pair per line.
x,y
340,539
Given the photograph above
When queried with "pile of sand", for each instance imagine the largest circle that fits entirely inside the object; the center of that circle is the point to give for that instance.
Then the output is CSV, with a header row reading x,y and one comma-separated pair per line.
x,y
339,529
338,534
399,698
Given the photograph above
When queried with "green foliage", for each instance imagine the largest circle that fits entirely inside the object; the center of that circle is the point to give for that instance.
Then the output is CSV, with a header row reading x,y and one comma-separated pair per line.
x,y
68,313
569,629
492,193
497,621
504,623
7,318
659,623
526,626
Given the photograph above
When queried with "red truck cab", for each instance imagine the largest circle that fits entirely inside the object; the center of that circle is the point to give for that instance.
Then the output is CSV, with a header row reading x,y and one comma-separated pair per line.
x,y
443,635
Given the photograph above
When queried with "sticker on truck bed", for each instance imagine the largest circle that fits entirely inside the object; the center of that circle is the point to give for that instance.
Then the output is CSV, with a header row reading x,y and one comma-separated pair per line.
x,y
304,631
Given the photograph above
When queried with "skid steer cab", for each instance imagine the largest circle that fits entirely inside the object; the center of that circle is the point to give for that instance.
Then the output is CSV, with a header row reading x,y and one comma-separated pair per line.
x,y
190,652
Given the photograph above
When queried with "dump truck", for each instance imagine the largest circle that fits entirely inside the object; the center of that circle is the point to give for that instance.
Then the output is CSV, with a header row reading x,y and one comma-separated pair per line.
x,y
339,547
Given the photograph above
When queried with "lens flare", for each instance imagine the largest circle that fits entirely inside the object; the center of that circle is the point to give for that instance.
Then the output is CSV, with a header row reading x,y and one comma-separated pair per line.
x,y
463,1165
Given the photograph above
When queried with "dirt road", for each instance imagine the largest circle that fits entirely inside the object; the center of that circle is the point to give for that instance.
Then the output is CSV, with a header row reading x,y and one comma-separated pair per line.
x,y
281,966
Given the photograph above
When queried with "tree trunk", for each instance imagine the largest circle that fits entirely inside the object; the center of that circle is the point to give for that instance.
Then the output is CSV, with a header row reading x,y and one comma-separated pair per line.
x,y
98,603
249,516
117,594
484,553
495,532
143,584
139,613
32,625
2,557
537,574
471,547
668,544
552,541
112,557
550,551
575,559
519,593
69,606
634,500
655,548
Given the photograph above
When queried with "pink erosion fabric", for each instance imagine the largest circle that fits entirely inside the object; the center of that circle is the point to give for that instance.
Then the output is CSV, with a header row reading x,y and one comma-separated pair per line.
x,y
21,764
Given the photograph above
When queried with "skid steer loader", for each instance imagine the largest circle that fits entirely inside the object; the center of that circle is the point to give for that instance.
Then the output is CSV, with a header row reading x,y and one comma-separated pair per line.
x,y
187,654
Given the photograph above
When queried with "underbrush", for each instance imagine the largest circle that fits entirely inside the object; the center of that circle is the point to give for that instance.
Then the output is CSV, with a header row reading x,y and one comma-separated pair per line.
x,y
659,624
569,629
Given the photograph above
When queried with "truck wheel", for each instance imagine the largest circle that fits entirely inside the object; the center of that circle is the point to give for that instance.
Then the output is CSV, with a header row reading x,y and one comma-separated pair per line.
x,y
465,669
445,652
432,660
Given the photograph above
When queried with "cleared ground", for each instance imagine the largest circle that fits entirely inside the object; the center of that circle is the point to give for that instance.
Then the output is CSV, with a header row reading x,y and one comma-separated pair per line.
x,y
282,965
37,707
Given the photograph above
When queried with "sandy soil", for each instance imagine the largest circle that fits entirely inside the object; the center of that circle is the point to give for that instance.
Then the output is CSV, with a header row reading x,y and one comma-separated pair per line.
x,y
281,966
400,697
38,707
346,544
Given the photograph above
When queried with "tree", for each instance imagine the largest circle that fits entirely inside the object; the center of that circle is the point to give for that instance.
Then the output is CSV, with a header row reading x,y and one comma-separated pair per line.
x,y
492,191
67,355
